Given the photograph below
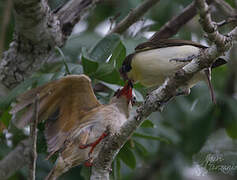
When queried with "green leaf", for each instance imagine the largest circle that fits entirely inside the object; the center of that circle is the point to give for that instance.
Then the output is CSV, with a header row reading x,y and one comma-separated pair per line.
x,y
118,56
127,156
5,118
116,170
140,149
107,73
147,124
231,130
104,48
144,136
85,173
89,66
5,102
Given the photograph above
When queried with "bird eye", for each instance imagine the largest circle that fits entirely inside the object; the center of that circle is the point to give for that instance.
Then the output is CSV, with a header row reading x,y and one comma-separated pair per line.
x,y
123,69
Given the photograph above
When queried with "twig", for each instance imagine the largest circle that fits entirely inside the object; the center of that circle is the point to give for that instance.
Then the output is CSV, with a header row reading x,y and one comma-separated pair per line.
x,y
227,21
33,139
173,26
134,16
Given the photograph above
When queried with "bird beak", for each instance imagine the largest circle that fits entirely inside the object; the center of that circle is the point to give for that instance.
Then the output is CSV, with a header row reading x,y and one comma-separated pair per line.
x,y
126,91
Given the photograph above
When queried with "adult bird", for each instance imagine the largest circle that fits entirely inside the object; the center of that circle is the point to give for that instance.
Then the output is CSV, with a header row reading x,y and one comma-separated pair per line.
x,y
153,61
75,121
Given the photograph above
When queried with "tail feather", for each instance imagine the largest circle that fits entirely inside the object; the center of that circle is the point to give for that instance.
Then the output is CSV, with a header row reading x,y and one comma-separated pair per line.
x,y
58,169
51,175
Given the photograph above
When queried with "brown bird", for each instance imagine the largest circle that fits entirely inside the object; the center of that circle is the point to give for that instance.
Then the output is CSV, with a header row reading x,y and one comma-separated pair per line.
x,y
76,121
153,61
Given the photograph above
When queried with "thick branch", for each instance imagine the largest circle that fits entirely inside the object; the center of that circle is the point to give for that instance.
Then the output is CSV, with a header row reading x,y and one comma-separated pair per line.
x,y
159,97
173,26
37,31
134,16
14,160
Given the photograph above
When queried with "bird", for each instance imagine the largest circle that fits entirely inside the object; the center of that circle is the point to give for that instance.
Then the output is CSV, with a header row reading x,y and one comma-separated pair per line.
x,y
154,61
75,121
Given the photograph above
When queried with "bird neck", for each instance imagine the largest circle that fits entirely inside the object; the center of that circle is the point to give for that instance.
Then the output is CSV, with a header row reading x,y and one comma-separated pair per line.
x,y
122,104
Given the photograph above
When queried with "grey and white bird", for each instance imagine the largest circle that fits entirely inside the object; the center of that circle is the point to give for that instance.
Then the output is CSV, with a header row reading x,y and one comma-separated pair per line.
x,y
153,61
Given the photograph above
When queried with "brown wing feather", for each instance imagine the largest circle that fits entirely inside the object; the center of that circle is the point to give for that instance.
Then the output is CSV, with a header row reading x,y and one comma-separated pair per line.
x,y
166,43
72,97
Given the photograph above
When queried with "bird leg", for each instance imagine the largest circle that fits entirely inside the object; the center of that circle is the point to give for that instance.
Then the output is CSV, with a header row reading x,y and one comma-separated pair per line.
x,y
88,162
187,59
93,145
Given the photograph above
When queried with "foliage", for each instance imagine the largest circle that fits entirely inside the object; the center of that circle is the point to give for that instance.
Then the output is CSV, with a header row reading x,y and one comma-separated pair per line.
x,y
172,137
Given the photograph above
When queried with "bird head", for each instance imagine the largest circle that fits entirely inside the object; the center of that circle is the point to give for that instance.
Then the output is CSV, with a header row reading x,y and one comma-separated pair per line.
x,y
126,92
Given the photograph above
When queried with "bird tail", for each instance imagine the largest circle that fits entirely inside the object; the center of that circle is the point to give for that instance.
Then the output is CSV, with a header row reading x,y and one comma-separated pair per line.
x,y
51,175
58,169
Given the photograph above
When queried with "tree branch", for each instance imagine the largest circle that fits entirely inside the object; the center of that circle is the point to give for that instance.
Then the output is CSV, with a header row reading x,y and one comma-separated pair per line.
x,y
173,26
134,16
14,160
159,97
37,32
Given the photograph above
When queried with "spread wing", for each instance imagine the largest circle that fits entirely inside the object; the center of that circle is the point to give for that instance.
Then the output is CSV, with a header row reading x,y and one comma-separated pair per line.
x,y
63,103
166,43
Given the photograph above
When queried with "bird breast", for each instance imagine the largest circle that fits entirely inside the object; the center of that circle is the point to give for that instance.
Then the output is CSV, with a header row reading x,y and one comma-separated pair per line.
x,y
151,67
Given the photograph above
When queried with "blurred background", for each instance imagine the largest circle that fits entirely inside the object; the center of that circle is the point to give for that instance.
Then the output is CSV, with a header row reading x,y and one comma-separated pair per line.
x,y
192,139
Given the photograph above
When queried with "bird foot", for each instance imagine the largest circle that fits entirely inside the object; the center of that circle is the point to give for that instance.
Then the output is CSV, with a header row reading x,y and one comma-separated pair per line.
x,y
94,144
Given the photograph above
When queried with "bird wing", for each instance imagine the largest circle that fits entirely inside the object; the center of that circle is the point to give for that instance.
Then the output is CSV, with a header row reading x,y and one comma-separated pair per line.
x,y
63,103
166,43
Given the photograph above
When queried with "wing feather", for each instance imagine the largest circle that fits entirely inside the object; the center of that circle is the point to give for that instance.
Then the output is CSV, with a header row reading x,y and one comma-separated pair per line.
x,y
68,99
166,43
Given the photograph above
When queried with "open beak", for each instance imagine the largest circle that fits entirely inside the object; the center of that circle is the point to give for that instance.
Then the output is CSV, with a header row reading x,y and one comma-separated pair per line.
x,y
126,91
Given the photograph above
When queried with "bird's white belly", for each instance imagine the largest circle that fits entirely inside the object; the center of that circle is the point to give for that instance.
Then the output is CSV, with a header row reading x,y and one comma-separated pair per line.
x,y
153,66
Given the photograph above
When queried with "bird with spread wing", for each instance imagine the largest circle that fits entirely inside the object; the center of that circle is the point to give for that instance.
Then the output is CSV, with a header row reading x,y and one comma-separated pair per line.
x,y
75,121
